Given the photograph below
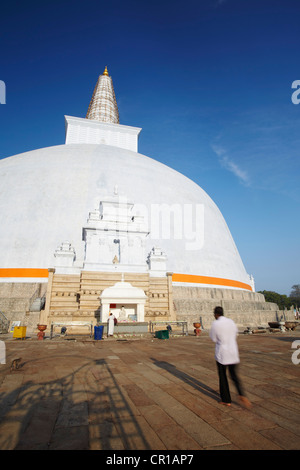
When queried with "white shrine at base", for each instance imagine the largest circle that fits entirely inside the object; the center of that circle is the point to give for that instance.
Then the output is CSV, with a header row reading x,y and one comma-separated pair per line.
x,y
124,301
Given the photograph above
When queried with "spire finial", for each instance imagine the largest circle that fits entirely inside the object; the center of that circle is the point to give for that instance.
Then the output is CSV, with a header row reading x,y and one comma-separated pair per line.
x,y
103,106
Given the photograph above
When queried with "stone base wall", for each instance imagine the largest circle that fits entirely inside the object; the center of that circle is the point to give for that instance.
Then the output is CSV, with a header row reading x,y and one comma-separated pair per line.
x,y
246,308
16,299
76,298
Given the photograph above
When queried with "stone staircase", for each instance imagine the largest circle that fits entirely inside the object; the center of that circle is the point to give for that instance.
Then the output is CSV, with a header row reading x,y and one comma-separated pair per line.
x,y
77,297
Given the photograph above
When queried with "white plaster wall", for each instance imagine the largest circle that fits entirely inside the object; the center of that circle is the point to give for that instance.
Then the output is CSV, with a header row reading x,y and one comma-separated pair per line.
x,y
86,131
47,194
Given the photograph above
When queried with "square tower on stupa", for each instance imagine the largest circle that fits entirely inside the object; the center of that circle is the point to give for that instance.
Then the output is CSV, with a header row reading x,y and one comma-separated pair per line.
x,y
101,124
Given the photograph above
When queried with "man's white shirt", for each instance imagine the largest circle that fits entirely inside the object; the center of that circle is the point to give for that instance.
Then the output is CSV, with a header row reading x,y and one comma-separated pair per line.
x,y
224,332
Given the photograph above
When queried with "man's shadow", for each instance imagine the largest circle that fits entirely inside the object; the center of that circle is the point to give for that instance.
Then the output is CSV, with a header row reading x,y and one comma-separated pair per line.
x,y
188,379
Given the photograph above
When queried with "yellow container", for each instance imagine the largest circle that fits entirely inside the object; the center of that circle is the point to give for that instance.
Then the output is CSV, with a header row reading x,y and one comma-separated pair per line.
x,y
19,332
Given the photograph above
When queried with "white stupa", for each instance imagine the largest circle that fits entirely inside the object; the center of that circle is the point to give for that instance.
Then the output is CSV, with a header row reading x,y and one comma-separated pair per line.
x,y
97,204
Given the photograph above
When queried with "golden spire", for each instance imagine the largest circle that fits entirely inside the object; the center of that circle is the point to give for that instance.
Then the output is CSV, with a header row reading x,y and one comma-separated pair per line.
x,y
103,106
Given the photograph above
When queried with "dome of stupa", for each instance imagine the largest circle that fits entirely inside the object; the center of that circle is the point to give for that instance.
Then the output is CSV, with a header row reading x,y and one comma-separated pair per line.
x,y
53,203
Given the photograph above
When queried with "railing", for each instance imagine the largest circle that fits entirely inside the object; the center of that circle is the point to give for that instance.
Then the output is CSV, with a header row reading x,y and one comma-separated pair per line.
x,y
71,324
4,323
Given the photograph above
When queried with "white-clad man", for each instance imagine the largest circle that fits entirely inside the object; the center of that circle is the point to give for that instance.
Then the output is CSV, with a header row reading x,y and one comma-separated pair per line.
x,y
110,324
224,332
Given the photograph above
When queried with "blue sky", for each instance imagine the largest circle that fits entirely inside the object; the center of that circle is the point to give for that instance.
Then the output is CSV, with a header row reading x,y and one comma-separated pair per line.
x,y
210,83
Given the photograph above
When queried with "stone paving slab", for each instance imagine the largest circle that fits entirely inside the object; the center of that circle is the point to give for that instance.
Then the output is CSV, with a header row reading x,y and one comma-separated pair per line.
x,y
147,394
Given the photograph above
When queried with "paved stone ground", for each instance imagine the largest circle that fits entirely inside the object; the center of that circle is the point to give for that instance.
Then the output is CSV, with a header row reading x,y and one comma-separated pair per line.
x,y
147,393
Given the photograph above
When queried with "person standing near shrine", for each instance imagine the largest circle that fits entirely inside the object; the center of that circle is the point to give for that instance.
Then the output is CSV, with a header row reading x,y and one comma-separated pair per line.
x,y
224,333
110,324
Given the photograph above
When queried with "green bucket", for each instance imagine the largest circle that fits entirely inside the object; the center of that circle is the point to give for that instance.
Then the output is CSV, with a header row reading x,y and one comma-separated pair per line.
x,y
162,334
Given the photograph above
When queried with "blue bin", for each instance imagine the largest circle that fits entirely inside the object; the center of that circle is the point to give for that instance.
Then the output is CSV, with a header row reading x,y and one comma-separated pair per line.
x,y
98,332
